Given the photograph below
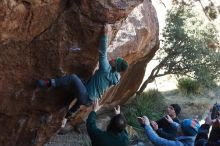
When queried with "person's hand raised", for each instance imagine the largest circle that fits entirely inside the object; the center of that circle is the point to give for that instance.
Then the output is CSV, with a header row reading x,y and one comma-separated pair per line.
x,y
143,121
169,119
107,28
154,125
96,105
117,110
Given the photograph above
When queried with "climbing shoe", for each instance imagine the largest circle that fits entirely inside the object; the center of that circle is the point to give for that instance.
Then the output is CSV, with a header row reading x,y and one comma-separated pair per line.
x,y
43,83
64,123
66,129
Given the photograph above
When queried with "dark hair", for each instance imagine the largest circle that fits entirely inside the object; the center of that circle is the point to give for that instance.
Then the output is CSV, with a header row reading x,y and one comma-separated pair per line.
x,y
177,108
215,110
117,124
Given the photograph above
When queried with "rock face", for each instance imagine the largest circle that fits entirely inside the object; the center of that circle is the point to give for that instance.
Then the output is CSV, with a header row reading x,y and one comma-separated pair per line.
x,y
45,38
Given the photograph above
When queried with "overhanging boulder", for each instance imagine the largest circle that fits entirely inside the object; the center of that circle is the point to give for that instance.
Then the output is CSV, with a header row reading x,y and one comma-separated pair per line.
x,y
44,39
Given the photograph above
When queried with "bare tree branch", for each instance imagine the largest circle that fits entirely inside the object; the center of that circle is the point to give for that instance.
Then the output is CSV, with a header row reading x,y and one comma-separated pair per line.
x,y
162,3
203,8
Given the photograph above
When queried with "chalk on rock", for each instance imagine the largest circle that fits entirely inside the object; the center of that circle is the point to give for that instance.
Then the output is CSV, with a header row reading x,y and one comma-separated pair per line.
x,y
75,49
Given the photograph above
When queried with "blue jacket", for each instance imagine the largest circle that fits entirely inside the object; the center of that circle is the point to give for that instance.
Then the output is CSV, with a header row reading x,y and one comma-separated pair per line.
x,y
158,141
104,77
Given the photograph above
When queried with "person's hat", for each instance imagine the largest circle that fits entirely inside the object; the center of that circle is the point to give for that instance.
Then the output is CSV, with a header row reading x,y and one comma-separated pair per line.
x,y
177,108
120,64
190,127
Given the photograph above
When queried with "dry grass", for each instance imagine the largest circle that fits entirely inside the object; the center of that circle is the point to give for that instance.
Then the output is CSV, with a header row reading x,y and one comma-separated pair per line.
x,y
194,106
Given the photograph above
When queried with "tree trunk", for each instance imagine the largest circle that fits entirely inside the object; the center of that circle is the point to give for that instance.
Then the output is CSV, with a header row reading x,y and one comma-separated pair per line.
x,y
144,85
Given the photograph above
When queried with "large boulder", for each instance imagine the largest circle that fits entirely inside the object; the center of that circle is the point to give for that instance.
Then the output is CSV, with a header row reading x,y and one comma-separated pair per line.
x,y
45,39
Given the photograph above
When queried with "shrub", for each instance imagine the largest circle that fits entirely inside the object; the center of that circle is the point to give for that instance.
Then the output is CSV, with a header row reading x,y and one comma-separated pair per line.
x,y
189,86
150,103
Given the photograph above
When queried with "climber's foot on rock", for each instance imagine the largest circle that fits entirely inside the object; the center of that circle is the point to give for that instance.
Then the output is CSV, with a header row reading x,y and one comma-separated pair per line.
x,y
43,83
64,130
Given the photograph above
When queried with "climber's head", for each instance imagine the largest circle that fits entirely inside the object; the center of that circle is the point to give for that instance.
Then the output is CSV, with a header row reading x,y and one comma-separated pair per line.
x,y
117,124
119,64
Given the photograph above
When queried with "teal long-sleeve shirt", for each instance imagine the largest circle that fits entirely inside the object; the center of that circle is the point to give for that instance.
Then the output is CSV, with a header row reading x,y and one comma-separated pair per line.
x,y
104,77
104,138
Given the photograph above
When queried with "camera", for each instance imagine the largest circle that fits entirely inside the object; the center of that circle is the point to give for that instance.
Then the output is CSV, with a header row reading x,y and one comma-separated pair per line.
x,y
215,111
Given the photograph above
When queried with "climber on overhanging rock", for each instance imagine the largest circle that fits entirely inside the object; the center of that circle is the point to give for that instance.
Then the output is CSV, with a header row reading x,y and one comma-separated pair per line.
x,y
106,76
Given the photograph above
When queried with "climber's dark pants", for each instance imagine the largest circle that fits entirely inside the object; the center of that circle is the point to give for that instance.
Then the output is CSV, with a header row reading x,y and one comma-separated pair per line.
x,y
80,91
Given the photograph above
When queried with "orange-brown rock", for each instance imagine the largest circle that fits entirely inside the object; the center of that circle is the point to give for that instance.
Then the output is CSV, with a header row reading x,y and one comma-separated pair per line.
x,y
45,38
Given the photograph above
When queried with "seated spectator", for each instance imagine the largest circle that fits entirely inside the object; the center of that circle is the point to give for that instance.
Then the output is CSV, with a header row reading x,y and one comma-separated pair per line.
x,y
186,132
163,127
202,138
116,135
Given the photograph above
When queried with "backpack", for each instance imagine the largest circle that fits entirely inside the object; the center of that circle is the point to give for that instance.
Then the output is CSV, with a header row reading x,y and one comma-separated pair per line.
x,y
215,110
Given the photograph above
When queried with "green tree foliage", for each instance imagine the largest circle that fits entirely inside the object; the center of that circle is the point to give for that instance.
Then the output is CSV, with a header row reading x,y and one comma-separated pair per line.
x,y
186,49
211,10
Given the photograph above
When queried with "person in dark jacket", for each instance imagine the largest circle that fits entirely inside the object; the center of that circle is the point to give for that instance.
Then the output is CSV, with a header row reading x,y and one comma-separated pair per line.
x,y
202,138
116,135
106,76
163,127
186,132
